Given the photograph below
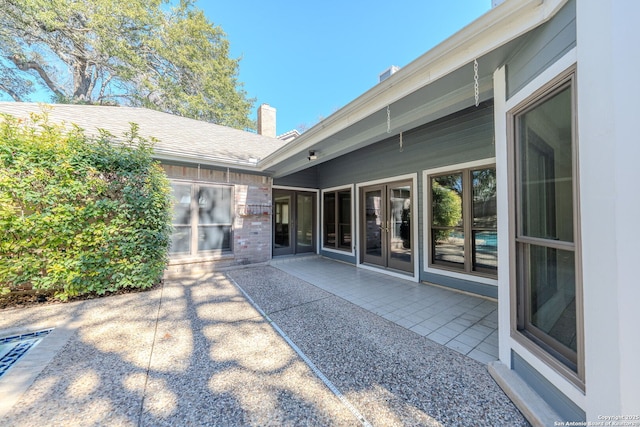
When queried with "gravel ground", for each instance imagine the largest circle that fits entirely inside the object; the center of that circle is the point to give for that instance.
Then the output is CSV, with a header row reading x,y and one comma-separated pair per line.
x,y
196,352
392,375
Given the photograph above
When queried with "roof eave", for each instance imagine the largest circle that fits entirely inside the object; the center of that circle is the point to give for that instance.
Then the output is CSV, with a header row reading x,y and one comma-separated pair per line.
x,y
490,31
224,163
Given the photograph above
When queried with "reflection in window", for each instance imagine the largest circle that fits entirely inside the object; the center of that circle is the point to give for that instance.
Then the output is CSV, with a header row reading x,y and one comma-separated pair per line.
x,y
304,214
215,206
400,203
181,236
281,236
464,221
485,224
337,220
546,253
447,228
208,217
549,268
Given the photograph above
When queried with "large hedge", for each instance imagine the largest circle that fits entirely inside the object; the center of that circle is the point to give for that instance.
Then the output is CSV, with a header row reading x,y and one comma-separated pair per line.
x,y
447,209
79,214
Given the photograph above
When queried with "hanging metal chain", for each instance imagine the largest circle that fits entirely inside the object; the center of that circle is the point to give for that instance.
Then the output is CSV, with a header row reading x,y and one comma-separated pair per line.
x,y
476,89
388,119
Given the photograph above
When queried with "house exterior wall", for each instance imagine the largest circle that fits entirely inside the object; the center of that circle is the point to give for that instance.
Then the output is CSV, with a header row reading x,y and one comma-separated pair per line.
x,y
606,158
594,38
458,138
307,178
607,124
531,365
463,137
606,163
541,48
251,221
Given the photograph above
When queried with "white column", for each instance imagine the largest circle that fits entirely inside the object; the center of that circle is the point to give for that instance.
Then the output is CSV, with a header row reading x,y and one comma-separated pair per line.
x,y
500,128
609,152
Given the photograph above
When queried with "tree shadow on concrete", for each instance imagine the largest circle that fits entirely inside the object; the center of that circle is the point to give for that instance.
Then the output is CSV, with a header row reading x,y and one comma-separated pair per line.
x,y
192,353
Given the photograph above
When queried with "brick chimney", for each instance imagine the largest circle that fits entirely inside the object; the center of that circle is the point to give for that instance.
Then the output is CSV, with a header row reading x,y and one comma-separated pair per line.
x,y
267,120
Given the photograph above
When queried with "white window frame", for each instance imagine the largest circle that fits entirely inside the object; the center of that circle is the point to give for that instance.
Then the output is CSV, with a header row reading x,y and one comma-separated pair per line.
x,y
352,207
318,239
414,276
506,250
426,229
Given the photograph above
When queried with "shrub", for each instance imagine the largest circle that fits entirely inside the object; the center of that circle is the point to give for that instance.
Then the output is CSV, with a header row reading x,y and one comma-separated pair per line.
x,y
79,214
447,209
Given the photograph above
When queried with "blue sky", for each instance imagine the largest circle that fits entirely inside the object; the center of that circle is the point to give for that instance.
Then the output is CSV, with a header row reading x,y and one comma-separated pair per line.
x,y
308,59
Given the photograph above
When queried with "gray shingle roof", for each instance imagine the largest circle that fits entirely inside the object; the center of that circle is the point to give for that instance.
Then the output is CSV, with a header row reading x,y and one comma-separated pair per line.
x,y
178,137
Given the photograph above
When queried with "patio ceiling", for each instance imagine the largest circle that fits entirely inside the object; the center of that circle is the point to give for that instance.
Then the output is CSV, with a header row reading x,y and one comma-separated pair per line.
x,y
445,96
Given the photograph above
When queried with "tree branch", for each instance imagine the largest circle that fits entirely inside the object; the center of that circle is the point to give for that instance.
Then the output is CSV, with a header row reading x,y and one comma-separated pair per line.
x,y
11,92
32,65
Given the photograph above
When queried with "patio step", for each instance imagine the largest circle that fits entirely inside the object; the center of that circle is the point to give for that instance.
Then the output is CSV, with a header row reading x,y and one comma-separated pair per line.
x,y
533,407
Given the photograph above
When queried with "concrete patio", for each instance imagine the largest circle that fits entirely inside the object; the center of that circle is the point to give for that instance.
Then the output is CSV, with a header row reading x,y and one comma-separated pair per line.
x,y
253,346
465,323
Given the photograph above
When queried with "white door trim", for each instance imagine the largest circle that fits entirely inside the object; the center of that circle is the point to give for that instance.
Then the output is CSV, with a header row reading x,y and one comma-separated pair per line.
x,y
415,276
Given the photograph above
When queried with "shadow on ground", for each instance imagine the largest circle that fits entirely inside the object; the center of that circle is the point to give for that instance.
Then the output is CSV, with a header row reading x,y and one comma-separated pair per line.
x,y
195,352
192,353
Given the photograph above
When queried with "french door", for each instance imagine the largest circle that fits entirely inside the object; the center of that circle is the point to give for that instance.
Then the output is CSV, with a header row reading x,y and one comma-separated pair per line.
x,y
386,225
293,222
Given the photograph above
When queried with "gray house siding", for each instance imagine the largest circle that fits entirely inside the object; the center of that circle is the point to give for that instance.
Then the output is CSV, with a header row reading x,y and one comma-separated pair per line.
x,y
346,257
554,397
306,178
462,137
541,48
460,284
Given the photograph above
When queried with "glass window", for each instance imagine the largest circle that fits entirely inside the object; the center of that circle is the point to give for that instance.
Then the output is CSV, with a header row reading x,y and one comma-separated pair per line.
x,y
304,215
545,223
337,220
447,230
181,236
215,206
208,217
329,219
485,221
552,295
344,220
463,221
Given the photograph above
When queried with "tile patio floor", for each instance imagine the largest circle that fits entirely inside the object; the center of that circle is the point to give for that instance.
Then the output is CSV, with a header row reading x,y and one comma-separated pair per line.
x,y
462,322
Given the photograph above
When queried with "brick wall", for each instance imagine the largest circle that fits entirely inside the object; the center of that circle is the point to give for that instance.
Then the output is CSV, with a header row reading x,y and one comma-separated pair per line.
x,y
251,223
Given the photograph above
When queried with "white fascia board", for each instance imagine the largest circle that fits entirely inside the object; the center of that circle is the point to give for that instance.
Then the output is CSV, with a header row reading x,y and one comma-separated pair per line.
x,y
497,27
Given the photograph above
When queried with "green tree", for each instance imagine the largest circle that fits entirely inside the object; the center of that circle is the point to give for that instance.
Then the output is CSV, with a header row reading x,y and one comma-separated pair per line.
x,y
447,209
136,52
79,215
